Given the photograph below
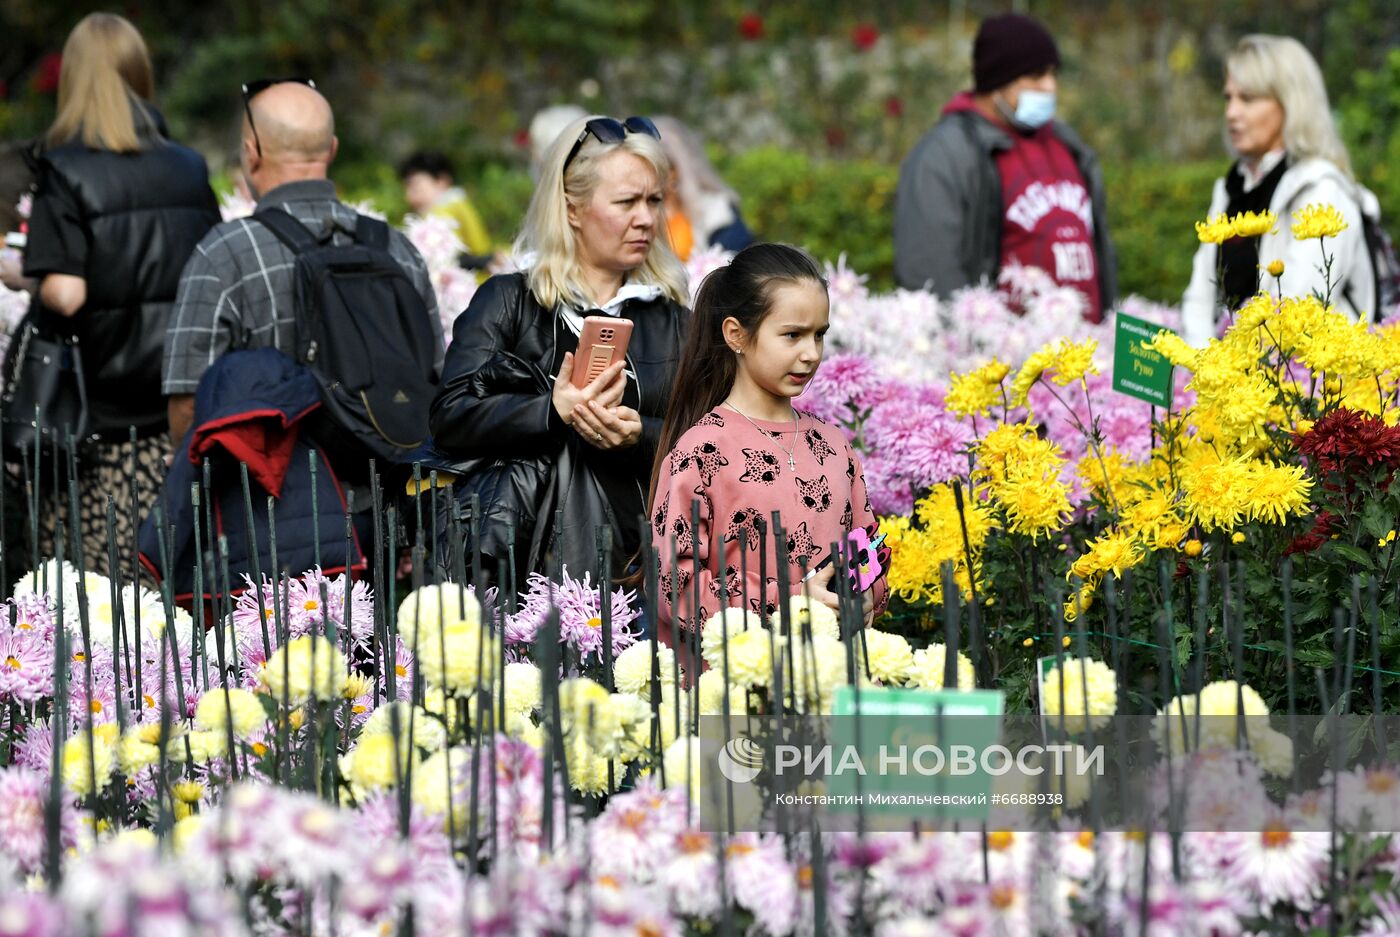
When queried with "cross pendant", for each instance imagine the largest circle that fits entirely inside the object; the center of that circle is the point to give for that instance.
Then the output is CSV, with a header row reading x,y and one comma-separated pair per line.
x,y
792,462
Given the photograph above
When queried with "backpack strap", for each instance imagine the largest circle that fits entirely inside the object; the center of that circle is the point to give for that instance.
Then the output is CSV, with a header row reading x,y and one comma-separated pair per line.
x,y
289,231
371,232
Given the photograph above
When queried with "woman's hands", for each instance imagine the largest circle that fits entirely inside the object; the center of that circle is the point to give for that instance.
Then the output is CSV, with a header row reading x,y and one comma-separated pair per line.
x,y
595,412
608,427
819,588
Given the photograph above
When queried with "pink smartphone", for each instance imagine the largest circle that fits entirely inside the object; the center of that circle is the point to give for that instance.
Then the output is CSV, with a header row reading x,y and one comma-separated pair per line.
x,y
603,343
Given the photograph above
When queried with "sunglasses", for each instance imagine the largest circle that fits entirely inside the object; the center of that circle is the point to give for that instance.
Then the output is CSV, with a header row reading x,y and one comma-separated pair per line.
x,y
608,130
254,88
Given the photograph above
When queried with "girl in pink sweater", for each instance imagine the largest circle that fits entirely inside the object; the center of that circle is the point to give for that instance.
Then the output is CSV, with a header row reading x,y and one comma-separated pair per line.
x,y
733,445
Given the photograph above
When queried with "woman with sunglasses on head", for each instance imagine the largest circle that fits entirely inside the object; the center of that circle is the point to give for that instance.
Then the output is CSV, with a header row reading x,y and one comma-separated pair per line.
x,y
554,462
118,210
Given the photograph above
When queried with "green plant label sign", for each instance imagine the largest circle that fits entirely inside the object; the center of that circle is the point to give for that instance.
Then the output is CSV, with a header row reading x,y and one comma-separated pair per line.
x,y
897,733
1138,371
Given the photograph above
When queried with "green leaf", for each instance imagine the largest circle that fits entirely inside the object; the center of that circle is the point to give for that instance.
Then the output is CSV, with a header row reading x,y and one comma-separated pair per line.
x,y
1354,555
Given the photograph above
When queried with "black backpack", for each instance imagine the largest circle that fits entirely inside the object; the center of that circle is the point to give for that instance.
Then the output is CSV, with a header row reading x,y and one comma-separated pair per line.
x,y
365,332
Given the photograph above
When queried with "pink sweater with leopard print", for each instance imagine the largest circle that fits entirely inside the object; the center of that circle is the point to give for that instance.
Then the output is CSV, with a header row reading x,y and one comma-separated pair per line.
x,y
738,472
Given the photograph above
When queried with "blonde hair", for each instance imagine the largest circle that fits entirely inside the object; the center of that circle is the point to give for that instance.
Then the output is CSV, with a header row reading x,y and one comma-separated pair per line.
x,y
105,77
546,233
1280,67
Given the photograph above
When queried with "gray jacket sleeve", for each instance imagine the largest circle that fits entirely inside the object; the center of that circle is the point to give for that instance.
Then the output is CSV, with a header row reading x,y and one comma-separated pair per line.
x,y
931,214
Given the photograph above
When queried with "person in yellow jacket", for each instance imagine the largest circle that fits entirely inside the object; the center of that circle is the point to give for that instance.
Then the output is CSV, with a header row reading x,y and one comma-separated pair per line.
x,y
430,188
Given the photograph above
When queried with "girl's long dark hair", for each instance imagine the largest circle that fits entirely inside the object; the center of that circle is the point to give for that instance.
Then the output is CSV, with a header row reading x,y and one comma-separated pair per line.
x,y
742,290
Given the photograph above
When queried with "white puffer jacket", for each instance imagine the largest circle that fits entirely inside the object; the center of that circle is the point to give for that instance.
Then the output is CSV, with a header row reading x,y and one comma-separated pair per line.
x,y
1308,182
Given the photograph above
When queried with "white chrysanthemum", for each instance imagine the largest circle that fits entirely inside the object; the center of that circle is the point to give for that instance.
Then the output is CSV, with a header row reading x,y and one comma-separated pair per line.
x,y
887,657
930,668
522,687
823,619
633,668
731,621
1278,864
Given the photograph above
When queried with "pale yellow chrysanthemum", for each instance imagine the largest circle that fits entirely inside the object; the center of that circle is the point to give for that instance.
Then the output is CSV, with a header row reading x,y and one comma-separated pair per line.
x,y
1068,686
750,658
372,764
929,668
885,657
632,670
288,676
79,771
247,711
1318,221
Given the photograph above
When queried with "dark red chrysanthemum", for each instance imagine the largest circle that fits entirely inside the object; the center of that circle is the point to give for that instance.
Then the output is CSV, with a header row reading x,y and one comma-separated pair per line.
x,y
1347,441
1324,526
751,26
894,106
45,79
864,36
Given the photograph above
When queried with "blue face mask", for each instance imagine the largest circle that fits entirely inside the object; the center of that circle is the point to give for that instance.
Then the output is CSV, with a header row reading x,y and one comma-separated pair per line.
x,y
1034,109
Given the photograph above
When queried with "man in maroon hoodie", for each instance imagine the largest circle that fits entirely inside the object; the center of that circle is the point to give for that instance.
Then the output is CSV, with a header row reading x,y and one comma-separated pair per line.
x,y
998,181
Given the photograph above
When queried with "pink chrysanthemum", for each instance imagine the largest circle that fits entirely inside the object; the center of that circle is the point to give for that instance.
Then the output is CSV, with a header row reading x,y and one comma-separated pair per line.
x,y
580,614
843,389
22,794
26,666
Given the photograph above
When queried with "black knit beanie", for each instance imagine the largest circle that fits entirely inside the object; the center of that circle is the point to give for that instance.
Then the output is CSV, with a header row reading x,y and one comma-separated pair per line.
x,y
1008,47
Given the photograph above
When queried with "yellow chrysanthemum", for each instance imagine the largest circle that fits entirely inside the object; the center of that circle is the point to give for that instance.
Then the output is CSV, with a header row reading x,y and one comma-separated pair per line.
x,y
976,392
1174,348
1216,491
1112,552
79,770
1073,360
1275,268
1318,221
246,709
1036,505
1274,492
1216,230
1030,372
1250,224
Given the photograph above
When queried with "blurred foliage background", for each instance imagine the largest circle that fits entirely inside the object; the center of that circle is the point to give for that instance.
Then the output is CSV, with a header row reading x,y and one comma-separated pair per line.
x,y
808,108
